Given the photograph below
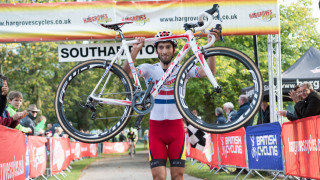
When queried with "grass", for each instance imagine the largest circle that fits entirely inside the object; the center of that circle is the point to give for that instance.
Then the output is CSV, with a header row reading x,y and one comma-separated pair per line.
x,y
204,173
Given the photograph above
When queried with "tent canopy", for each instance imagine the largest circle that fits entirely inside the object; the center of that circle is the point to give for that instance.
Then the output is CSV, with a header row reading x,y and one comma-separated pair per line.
x,y
305,69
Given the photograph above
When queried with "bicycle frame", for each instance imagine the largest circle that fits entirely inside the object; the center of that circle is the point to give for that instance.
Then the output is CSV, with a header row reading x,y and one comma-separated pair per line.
x,y
190,44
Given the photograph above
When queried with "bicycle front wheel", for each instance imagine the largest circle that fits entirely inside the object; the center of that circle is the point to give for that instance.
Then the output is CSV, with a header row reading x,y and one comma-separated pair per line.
x,y
100,121
235,71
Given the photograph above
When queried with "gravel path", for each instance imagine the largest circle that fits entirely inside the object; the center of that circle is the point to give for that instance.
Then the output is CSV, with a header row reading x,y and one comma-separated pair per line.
x,y
123,168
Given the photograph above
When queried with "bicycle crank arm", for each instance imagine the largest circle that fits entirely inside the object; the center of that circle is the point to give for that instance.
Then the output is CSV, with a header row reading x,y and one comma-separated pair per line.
x,y
137,124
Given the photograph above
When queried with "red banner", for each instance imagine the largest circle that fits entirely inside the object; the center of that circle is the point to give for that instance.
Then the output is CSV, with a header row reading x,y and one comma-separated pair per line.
x,y
75,150
93,150
117,147
61,154
84,149
13,156
232,148
214,151
301,142
37,155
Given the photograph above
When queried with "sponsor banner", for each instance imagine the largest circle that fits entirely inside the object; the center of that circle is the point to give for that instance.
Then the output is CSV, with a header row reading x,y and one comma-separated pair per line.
x,y
75,150
13,156
82,52
80,20
61,155
232,148
84,148
264,146
93,150
115,147
301,146
27,172
214,151
38,155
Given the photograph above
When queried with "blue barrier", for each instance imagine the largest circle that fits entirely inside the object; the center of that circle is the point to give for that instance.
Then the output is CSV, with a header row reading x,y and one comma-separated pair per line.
x,y
264,147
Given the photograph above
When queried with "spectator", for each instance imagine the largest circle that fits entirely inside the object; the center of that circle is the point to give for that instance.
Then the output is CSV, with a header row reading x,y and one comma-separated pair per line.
x,y
310,105
195,112
29,121
14,104
265,109
220,118
122,137
49,126
13,121
228,108
146,138
53,128
41,122
244,106
58,132
295,95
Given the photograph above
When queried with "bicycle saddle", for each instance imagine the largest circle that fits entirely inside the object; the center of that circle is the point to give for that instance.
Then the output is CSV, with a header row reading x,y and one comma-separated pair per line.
x,y
115,26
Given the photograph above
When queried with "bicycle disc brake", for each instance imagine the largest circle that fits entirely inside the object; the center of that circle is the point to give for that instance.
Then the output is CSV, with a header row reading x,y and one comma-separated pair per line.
x,y
142,104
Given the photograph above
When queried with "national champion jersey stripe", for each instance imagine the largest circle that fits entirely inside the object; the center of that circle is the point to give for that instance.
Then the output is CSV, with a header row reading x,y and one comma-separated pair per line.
x,y
164,101
166,92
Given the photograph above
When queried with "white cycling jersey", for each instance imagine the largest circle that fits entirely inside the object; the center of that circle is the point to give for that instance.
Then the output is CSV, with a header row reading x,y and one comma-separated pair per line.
x,y
165,107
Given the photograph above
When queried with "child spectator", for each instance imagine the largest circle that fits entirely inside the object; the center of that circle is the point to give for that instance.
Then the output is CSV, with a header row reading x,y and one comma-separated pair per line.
x,y
58,132
5,120
14,104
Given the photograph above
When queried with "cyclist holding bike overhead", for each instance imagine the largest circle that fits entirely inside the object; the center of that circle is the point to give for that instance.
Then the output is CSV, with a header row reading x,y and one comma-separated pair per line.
x,y
132,138
166,129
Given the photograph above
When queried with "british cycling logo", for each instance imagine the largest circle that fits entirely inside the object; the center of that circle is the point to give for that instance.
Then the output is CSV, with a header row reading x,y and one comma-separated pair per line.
x,y
263,15
100,18
139,20
266,145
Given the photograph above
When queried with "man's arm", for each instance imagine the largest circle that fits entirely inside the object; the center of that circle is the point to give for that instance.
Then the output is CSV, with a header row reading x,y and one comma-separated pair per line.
x,y
211,60
135,50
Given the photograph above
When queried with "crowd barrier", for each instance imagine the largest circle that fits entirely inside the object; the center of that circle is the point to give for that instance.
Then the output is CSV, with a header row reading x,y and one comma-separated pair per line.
x,y
24,156
115,147
292,149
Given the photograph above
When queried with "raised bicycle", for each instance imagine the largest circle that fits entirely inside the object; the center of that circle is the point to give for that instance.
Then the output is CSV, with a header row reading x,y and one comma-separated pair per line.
x,y
100,93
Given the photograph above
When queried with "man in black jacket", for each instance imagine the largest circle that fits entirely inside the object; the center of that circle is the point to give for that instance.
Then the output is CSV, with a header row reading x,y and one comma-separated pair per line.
x,y
310,104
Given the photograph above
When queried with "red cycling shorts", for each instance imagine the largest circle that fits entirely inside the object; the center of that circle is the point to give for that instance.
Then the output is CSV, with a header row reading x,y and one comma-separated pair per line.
x,y
167,139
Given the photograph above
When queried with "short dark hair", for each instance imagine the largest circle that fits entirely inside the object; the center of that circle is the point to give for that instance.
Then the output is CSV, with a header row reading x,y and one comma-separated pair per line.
x,y
3,77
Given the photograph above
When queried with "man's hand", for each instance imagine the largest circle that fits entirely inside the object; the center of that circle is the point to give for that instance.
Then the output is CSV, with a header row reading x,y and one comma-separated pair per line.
x,y
294,96
19,115
138,46
282,113
5,88
216,34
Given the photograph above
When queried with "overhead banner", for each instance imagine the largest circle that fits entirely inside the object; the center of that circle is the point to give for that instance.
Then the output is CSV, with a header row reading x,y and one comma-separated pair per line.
x,y
264,146
232,148
301,143
38,155
81,20
13,156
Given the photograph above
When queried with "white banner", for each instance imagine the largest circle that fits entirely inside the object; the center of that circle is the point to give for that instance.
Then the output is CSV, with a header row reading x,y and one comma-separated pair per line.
x,y
83,52
80,20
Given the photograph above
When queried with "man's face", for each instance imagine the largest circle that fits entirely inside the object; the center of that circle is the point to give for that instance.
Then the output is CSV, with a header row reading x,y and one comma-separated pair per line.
x,y
305,91
16,102
225,109
165,52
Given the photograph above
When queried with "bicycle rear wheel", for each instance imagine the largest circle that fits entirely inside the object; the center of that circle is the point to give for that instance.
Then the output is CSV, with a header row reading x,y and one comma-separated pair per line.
x,y
72,94
235,71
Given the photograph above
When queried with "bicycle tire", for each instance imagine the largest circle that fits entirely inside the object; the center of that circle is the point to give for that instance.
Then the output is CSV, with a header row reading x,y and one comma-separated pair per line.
x,y
71,96
239,66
